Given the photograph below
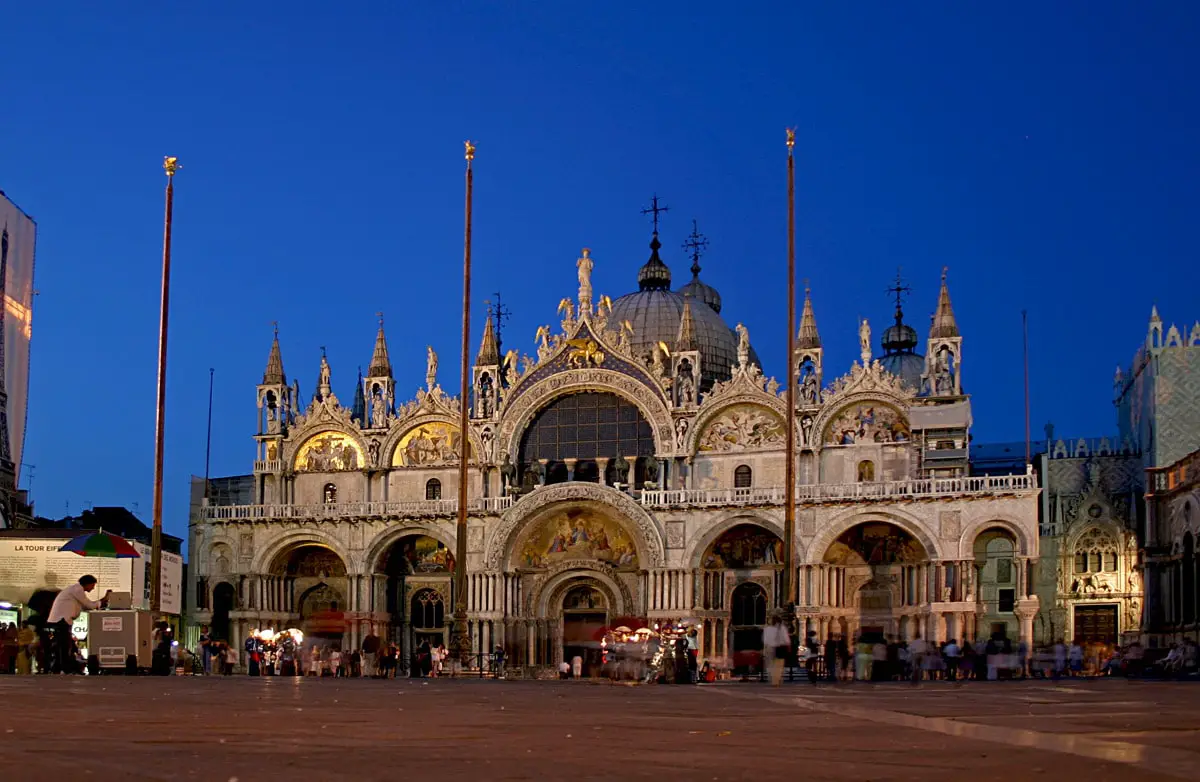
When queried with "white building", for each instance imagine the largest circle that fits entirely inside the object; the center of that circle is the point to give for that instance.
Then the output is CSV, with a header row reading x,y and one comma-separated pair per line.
x,y
632,468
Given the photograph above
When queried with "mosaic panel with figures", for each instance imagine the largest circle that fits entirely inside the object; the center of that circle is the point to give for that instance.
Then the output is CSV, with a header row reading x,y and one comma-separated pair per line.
x,y
329,452
743,426
428,444
745,546
869,422
875,544
423,554
578,534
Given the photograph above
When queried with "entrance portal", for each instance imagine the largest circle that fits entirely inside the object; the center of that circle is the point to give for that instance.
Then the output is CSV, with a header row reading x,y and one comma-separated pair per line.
x,y
1096,624
585,614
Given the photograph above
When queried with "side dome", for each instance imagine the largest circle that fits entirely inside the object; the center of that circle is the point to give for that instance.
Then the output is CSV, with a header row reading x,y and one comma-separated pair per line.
x,y
702,292
906,366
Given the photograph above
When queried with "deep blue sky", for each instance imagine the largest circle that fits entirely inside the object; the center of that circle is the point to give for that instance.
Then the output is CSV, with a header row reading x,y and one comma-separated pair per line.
x,y
1046,153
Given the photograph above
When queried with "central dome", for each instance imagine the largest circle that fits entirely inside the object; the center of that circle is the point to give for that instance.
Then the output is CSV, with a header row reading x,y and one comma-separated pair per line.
x,y
656,311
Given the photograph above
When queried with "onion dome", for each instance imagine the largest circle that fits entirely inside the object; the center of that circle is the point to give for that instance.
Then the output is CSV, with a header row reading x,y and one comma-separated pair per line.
x,y
900,341
654,274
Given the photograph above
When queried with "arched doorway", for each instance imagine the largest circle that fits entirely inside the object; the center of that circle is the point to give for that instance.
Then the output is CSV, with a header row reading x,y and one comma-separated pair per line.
x,y
585,614
995,552
316,590
875,580
1189,579
747,616
740,551
417,568
223,603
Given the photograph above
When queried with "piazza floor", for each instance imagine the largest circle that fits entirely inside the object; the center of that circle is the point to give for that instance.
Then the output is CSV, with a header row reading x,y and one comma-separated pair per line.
x,y
216,728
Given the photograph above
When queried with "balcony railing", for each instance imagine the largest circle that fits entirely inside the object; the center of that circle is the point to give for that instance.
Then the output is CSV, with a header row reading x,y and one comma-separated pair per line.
x,y
353,510
835,492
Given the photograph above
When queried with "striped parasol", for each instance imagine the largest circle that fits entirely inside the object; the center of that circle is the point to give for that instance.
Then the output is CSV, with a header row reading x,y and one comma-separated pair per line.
x,y
101,544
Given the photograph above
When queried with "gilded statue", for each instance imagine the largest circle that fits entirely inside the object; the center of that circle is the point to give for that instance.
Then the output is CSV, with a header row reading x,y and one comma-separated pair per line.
x,y
431,364
567,307
584,265
510,365
543,336
584,352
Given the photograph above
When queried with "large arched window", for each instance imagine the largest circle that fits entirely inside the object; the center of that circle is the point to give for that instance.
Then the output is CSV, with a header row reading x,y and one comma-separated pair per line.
x,y
433,489
1096,552
586,426
866,471
428,610
743,477
329,494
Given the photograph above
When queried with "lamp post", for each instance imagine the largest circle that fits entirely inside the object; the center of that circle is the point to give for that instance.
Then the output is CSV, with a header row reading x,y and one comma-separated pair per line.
x,y
460,638
170,165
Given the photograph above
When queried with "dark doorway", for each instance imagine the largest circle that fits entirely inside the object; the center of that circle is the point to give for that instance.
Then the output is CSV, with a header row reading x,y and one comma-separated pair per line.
x,y
748,614
223,603
584,618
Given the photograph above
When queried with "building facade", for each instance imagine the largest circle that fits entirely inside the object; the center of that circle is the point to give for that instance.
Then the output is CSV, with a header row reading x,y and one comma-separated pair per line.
x,y
632,468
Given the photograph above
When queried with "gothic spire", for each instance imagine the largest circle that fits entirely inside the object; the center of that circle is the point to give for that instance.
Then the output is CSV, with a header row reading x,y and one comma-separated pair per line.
x,y
686,339
274,375
359,411
489,351
808,337
381,365
944,324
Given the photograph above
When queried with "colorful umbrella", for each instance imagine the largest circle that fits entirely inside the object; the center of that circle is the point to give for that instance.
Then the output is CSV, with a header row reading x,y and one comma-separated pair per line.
x,y
101,544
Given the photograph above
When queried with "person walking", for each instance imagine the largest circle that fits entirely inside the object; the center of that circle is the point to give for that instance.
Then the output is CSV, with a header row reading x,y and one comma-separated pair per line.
x,y
67,607
951,654
776,645
814,655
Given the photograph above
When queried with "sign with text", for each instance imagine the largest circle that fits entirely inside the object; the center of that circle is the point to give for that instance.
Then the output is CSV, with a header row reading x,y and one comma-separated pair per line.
x,y
171,580
30,564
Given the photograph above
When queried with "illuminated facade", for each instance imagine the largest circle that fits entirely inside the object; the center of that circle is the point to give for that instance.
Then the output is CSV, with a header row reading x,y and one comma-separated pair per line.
x,y
632,467
18,234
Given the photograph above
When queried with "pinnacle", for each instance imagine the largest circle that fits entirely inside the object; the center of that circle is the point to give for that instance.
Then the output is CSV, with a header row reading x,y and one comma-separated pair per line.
x,y
274,376
381,365
808,337
489,351
944,324
686,339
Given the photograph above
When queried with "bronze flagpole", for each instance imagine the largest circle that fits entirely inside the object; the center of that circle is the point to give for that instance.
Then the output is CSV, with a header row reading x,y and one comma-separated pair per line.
x,y
170,164
460,639
789,508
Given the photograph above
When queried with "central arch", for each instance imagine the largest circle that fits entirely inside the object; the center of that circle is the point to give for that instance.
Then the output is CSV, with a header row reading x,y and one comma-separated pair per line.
x,y
588,500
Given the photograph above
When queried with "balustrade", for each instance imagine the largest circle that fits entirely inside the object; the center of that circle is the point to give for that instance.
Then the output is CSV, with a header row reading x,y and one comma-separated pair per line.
x,y
353,509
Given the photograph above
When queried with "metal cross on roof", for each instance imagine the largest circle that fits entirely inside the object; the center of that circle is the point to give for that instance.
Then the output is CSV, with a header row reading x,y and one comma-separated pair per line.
x,y
654,209
695,245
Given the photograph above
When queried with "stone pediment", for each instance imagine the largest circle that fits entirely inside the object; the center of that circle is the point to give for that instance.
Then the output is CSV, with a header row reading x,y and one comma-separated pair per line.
x,y
873,379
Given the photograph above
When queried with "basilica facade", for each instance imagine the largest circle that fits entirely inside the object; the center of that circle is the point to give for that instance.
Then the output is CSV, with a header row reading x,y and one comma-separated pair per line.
x,y
631,469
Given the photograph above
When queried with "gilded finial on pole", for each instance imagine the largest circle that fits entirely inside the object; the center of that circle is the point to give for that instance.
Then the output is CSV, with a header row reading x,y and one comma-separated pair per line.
x,y
791,139
170,164
470,148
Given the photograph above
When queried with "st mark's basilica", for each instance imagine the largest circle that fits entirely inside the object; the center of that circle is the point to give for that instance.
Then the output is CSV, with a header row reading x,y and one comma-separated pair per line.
x,y
633,467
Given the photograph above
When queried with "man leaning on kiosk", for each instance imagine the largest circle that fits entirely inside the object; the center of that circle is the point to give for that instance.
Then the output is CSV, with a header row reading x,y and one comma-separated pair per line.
x,y
71,602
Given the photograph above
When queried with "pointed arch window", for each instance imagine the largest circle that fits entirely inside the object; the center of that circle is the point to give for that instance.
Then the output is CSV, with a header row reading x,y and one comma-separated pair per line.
x,y
743,477
433,489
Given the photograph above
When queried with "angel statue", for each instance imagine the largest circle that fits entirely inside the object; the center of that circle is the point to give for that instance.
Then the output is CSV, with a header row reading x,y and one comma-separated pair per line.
x,y
543,335
605,306
430,367
565,306
743,349
510,368
625,336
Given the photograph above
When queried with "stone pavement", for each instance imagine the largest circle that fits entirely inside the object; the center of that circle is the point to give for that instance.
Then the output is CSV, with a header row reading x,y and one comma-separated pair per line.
x,y
257,729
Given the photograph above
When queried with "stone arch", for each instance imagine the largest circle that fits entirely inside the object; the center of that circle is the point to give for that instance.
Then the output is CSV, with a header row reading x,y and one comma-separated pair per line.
x,y
534,507
707,417
302,537
736,519
852,518
383,542
966,543
389,444
830,413
546,597
1105,525
650,402
221,560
